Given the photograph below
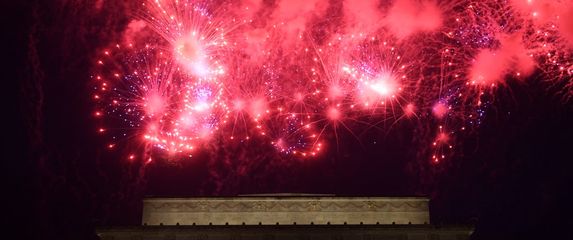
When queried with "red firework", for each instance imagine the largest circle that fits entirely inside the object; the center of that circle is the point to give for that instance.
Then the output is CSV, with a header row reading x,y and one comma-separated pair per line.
x,y
296,73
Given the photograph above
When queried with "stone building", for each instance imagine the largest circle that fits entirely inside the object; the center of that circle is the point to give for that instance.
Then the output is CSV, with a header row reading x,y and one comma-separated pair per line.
x,y
286,216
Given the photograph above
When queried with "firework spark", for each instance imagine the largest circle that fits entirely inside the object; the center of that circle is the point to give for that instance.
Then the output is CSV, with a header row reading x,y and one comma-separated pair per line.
x,y
297,72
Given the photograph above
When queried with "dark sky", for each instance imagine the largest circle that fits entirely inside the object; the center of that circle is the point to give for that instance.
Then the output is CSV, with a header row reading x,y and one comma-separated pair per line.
x,y
512,179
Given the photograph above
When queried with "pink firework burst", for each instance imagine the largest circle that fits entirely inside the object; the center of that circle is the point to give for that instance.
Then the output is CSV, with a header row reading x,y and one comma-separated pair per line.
x,y
294,74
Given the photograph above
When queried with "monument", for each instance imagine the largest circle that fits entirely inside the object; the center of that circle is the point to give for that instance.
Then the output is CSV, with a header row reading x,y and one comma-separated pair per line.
x,y
286,216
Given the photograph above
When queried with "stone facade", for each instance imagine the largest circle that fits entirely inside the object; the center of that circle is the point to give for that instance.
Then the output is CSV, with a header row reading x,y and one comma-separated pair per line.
x,y
286,217
274,210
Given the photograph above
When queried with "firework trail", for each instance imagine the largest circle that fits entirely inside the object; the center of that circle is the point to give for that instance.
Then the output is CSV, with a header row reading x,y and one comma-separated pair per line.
x,y
294,74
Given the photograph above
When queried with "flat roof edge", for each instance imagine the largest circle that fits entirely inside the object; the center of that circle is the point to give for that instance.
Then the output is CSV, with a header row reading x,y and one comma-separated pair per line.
x,y
265,197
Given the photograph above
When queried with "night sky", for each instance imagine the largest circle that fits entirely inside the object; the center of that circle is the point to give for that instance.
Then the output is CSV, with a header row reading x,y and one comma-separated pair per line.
x,y
512,179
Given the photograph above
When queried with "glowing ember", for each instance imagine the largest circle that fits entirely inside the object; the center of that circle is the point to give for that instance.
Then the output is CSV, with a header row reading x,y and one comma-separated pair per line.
x,y
187,72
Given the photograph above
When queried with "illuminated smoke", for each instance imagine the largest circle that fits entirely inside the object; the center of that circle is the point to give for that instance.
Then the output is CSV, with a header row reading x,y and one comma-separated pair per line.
x,y
290,74
492,66
407,17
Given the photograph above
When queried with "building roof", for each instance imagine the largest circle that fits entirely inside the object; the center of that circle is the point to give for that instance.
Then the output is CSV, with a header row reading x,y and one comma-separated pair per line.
x,y
285,209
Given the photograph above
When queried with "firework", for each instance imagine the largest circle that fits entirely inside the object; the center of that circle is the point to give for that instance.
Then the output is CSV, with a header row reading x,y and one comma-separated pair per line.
x,y
296,73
